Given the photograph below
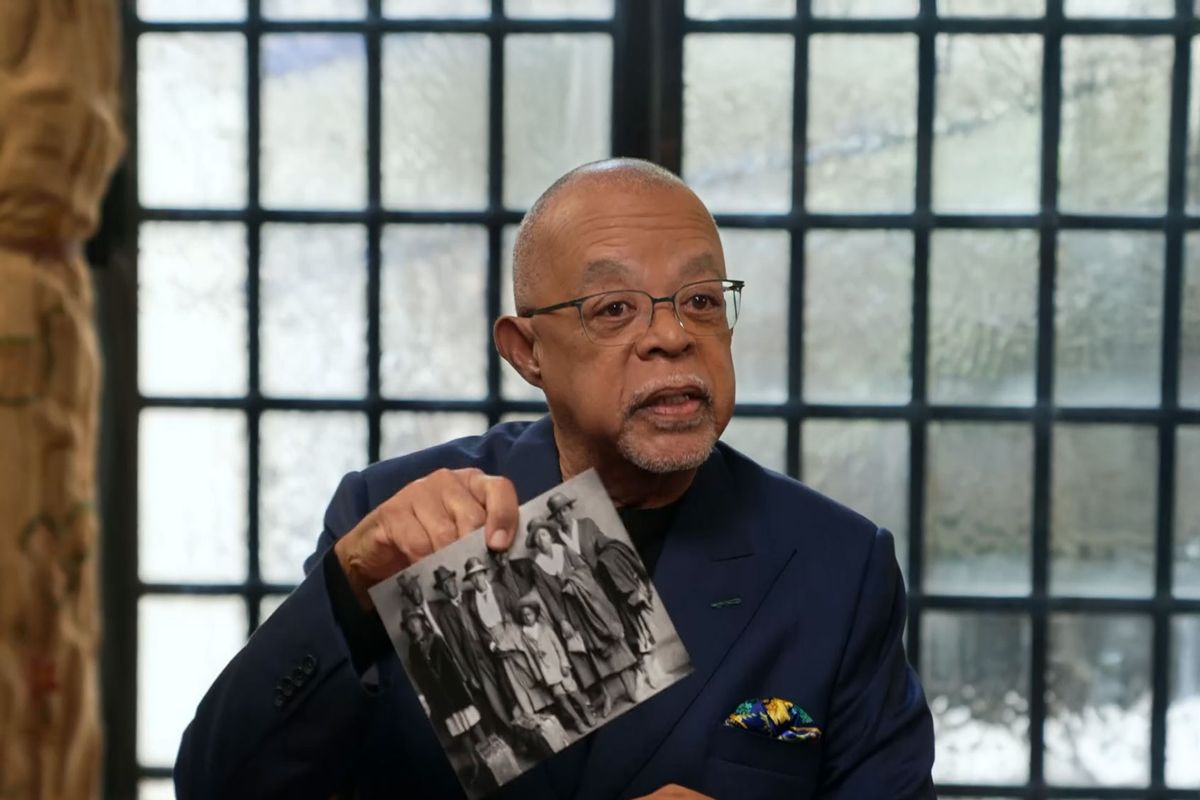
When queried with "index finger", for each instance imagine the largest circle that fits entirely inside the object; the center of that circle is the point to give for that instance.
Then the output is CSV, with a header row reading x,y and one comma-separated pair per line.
x,y
498,497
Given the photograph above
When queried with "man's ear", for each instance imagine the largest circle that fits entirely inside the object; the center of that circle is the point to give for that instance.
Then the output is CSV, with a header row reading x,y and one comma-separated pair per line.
x,y
514,340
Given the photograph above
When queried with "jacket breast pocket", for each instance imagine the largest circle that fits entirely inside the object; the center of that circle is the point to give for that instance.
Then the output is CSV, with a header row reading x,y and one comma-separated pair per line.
x,y
741,764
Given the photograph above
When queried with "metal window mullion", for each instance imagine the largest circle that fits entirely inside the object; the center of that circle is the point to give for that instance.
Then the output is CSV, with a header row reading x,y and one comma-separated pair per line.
x,y
495,228
919,418
1169,388
797,275
374,49
1043,419
120,415
253,592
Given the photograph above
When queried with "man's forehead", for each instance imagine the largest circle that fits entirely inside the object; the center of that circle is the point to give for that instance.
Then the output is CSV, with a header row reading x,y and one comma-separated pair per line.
x,y
601,270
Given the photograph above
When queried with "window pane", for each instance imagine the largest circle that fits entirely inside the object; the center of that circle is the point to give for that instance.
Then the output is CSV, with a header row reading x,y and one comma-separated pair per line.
x,y
314,139
865,8
862,122
1108,318
1116,107
183,644
557,108
991,8
435,105
987,128
434,323
191,495
1192,173
407,432
314,310
764,440
978,501
1098,700
589,9
975,667
191,11
1189,345
983,317
192,120
163,789
1187,511
1103,510
1183,713
512,385
192,308
858,317
716,9
437,8
293,500
314,9
1120,8
737,128
864,465
763,260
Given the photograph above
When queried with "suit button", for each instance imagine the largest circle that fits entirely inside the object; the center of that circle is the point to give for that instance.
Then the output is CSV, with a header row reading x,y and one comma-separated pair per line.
x,y
286,687
299,676
279,700
309,664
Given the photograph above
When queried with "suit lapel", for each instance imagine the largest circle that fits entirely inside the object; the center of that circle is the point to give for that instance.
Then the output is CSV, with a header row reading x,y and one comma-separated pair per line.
x,y
708,557
532,462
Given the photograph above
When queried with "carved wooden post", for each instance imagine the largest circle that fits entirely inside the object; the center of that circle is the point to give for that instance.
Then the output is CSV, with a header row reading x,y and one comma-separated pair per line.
x,y
60,138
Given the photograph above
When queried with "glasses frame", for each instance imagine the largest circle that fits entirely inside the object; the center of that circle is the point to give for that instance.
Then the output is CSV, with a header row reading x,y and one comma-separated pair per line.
x,y
577,303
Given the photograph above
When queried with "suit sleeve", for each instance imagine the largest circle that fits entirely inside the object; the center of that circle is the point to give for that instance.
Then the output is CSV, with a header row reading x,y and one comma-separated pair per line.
x,y
286,715
879,738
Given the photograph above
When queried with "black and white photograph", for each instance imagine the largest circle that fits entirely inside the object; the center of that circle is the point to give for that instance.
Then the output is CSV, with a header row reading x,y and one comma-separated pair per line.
x,y
517,654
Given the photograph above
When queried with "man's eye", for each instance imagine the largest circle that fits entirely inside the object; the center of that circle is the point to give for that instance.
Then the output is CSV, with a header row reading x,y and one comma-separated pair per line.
x,y
617,308
703,302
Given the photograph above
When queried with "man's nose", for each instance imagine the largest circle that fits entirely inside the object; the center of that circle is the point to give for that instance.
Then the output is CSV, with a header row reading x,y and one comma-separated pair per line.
x,y
665,334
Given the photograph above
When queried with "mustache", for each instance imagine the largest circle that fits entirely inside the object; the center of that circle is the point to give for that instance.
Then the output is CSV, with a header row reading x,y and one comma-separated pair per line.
x,y
648,390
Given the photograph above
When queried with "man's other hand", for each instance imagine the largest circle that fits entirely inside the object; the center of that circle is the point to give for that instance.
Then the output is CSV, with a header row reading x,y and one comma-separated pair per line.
x,y
424,516
675,792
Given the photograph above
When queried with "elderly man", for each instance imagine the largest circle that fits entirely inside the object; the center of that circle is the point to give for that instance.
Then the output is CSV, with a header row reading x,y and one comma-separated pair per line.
x,y
791,607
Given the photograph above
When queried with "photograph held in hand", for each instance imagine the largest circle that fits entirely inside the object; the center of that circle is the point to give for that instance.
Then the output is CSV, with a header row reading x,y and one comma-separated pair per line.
x,y
517,654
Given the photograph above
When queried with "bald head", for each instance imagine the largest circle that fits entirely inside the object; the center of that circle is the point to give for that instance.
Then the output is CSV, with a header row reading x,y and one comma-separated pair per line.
x,y
630,174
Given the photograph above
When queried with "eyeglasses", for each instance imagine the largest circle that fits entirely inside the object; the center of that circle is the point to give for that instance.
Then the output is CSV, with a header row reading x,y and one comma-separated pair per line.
x,y
702,308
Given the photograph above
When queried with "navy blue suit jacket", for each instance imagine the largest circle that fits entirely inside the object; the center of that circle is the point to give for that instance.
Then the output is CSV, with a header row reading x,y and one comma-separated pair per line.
x,y
820,623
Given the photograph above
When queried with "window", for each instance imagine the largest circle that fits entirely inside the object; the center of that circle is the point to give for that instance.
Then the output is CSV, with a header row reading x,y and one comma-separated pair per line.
x,y
971,243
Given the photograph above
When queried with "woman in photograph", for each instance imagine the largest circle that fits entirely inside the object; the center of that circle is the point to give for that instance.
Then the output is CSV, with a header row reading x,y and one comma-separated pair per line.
x,y
582,614
440,683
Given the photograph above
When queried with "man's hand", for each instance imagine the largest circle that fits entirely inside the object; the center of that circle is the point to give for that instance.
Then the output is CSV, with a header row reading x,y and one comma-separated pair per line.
x,y
675,792
424,516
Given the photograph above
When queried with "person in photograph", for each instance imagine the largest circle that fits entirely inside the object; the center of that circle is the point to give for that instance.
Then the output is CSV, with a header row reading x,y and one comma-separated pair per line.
x,y
493,609
511,573
624,315
553,666
619,571
413,597
581,611
453,619
441,684
582,535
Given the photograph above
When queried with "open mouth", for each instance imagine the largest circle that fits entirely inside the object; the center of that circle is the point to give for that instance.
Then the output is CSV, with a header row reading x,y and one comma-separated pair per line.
x,y
675,402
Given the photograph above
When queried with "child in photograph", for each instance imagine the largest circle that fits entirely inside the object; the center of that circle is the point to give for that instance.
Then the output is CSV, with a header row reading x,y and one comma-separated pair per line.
x,y
554,668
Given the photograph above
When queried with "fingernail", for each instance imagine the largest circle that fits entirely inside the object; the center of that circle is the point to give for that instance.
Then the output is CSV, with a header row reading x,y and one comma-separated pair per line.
x,y
498,537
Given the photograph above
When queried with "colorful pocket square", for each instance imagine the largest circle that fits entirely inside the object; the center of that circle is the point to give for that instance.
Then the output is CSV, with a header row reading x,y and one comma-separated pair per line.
x,y
776,718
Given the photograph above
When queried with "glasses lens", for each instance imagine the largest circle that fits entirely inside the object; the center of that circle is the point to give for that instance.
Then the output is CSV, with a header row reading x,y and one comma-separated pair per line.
x,y
708,308
615,317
